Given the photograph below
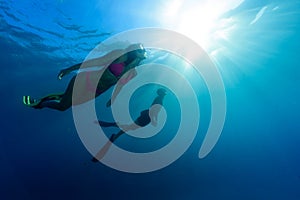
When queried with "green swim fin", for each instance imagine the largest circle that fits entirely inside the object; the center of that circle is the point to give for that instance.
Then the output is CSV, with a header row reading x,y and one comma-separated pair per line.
x,y
28,101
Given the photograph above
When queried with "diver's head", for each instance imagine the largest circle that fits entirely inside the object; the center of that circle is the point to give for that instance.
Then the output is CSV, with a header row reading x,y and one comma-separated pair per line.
x,y
161,92
139,50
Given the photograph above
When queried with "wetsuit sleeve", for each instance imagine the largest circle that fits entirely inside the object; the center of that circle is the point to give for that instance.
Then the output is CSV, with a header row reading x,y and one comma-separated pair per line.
x,y
104,60
155,109
101,61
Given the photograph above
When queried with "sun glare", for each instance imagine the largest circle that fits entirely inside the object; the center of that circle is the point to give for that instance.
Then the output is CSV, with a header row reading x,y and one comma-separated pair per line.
x,y
198,19
197,25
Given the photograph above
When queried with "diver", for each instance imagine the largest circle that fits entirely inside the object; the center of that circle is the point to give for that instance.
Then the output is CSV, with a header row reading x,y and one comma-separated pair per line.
x,y
88,87
146,117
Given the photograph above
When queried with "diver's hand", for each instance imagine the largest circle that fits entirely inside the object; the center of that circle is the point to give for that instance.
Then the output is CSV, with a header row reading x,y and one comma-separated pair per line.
x,y
108,104
62,73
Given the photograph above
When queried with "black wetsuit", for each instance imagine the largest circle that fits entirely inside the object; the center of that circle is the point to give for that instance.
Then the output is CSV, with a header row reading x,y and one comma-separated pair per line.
x,y
143,120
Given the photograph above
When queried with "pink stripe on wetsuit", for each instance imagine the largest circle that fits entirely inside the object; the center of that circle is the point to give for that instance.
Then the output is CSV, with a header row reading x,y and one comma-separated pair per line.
x,y
89,85
115,68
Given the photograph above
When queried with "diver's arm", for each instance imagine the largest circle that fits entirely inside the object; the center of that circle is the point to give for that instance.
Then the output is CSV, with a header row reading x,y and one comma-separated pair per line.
x,y
66,71
114,56
155,109
101,61
153,113
128,76
124,80
129,127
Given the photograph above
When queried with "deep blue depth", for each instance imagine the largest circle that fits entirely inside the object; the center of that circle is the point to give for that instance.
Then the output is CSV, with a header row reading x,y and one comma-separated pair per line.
x,y
257,156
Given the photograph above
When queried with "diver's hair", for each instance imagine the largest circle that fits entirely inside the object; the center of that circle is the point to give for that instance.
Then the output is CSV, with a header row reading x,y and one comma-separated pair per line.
x,y
134,46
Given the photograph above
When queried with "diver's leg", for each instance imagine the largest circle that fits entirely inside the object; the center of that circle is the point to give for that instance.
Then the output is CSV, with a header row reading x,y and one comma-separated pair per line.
x,y
52,97
101,153
43,102
59,102
107,124
113,137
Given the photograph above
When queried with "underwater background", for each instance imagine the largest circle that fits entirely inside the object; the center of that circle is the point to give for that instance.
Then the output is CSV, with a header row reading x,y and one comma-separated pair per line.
x,y
254,44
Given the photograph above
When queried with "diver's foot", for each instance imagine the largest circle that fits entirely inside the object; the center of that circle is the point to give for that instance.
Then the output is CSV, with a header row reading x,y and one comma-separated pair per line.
x,y
113,137
34,103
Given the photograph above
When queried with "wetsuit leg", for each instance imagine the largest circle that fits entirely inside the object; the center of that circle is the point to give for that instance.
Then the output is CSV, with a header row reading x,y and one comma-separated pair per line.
x,y
107,124
61,104
113,137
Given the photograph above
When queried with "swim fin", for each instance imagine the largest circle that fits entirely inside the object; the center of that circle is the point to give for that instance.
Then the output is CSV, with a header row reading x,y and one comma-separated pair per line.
x,y
28,101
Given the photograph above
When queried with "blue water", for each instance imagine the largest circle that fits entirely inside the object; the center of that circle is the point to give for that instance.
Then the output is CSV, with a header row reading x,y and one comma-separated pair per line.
x,y
257,155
